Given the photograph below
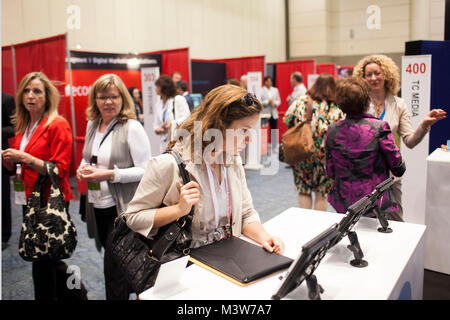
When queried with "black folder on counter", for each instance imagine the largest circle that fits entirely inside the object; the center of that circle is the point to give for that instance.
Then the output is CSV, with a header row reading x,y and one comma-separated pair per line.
x,y
239,260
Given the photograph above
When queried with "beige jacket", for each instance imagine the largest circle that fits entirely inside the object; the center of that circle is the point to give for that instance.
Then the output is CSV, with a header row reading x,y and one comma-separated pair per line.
x,y
159,186
399,120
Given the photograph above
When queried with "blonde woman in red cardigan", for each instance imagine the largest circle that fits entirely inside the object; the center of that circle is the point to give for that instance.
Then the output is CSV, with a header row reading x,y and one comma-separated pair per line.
x,y
41,135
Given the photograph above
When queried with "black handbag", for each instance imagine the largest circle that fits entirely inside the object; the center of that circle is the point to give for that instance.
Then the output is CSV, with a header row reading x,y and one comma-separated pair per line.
x,y
48,232
139,258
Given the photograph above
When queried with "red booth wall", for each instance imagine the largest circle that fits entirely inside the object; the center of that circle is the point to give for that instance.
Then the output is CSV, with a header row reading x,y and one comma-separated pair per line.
x,y
283,83
47,55
236,67
328,68
175,60
7,71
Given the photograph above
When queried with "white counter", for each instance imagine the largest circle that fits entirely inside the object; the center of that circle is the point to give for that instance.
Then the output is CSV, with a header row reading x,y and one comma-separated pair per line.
x,y
396,263
437,212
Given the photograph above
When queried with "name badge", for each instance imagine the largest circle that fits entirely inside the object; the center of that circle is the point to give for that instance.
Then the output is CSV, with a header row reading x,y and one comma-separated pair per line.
x,y
94,194
19,192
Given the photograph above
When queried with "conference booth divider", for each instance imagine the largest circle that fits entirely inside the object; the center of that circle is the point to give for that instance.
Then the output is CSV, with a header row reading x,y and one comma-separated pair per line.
x,y
74,71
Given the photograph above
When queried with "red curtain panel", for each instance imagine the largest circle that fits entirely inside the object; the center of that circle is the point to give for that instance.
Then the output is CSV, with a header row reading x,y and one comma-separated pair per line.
x,y
236,67
7,70
328,68
175,60
46,55
283,75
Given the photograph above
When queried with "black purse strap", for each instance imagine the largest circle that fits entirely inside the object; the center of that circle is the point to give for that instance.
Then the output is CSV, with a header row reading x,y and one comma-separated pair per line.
x,y
51,172
184,175
165,241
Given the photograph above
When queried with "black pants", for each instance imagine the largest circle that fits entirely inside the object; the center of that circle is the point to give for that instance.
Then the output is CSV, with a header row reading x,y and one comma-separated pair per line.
x,y
50,279
273,136
6,206
50,282
116,286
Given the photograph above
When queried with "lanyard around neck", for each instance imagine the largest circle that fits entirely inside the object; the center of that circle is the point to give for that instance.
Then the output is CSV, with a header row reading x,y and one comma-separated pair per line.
x,y
166,108
111,126
214,195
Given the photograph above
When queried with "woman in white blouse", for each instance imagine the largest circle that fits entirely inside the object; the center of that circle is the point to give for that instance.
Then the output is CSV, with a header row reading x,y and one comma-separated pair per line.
x,y
270,99
174,110
115,154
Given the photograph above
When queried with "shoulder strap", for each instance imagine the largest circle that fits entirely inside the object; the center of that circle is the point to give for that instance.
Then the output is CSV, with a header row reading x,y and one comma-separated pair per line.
x,y
184,174
171,233
309,112
51,170
173,108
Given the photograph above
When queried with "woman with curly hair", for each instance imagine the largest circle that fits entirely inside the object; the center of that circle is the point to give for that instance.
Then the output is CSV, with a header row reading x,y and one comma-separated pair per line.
x,y
383,78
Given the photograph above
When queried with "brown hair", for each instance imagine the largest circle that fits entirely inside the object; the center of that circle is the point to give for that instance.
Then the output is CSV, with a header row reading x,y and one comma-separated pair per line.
x,y
297,75
21,117
102,84
323,89
232,81
167,86
220,107
352,95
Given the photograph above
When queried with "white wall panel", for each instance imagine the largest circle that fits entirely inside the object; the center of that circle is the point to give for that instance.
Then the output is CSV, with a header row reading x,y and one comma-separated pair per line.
x,y
437,19
343,26
210,28
221,28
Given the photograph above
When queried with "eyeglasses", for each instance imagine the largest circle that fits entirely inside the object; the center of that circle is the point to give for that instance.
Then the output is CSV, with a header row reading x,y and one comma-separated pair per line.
x,y
248,99
104,98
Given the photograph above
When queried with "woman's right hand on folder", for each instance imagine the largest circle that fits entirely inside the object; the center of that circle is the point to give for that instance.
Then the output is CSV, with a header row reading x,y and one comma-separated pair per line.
x,y
273,244
189,196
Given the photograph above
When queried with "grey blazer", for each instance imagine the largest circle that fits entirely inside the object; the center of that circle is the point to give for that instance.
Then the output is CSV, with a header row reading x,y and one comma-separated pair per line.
x,y
120,157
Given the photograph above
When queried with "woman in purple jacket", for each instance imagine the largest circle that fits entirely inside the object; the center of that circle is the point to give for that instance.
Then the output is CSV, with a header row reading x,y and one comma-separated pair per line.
x,y
360,150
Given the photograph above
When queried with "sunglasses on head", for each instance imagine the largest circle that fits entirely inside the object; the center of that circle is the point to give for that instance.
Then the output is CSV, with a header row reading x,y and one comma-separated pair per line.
x,y
248,99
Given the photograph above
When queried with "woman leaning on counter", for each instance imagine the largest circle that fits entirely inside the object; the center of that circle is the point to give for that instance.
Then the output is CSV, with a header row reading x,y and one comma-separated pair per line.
x,y
218,189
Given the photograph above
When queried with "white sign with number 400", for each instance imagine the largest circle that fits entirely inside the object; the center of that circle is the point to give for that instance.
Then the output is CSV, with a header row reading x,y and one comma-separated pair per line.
x,y
416,88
